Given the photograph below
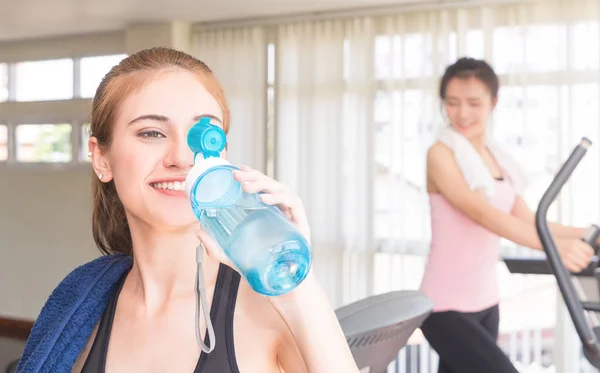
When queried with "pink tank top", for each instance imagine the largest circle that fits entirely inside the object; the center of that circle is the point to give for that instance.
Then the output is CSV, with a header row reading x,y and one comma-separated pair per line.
x,y
460,273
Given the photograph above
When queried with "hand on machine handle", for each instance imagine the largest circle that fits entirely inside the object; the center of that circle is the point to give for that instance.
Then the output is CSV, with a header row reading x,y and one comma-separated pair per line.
x,y
592,236
576,254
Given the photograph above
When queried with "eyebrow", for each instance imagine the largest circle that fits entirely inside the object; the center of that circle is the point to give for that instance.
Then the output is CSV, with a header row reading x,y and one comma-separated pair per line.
x,y
162,118
468,98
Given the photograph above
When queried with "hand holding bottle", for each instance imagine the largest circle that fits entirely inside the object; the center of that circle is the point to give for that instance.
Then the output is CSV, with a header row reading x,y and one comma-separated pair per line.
x,y
272,193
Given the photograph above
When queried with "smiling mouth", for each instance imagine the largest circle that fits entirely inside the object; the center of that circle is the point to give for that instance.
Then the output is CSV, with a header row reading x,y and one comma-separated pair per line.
x,y
170,188
169,185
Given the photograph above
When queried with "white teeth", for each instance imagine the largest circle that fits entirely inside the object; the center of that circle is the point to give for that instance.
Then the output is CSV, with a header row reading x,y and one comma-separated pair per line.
x,y
171,185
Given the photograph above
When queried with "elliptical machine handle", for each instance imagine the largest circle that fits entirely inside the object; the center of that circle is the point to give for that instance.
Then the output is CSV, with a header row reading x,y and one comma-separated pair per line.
x,y
590,236
585,332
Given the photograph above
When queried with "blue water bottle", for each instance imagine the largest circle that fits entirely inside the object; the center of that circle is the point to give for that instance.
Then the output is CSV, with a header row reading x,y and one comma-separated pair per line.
x,y
267,249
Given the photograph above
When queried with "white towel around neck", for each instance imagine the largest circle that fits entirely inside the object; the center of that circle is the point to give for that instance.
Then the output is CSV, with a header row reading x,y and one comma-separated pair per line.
x,y
474,170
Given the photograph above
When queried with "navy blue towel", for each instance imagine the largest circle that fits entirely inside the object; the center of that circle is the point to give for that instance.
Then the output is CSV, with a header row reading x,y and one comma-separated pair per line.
x,y
70,314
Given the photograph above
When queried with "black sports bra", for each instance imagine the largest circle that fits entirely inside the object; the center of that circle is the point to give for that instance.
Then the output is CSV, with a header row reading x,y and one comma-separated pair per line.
x,y
221,359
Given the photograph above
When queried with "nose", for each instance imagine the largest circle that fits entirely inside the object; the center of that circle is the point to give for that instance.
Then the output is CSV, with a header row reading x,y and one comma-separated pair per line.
x,y
463,111
179,155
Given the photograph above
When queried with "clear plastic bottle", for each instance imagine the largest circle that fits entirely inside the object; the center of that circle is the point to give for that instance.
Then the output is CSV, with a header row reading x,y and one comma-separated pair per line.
x,y
269,251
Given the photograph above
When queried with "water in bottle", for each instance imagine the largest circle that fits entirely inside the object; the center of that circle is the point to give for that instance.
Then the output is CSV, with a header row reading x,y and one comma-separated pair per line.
x,y
262,243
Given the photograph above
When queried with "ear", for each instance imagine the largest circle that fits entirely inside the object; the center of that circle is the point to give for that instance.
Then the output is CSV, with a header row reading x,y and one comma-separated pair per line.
x,y
99,161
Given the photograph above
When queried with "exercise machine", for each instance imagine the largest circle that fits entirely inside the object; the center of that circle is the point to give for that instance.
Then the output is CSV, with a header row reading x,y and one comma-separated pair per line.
x,y
378,327
579,310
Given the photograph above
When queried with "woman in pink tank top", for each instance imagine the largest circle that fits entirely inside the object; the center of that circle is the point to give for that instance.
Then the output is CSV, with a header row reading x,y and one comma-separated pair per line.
x,y
460,274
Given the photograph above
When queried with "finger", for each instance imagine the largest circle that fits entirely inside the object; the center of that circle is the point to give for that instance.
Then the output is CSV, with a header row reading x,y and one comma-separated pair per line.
x,y
212,247
576,256
585,252
590,251
574,268
248,174
266,185
580,259
283,199
581,263
572,265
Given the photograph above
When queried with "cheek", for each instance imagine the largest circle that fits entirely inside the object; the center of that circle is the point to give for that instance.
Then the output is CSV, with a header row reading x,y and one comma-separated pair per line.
x,y
483,113
130,167
451,112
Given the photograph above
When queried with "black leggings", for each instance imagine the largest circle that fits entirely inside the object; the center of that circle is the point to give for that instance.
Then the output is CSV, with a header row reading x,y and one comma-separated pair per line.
x,y
466,342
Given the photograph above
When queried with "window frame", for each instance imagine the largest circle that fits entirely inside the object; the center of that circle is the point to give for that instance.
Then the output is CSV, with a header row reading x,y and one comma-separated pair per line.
x,y
6,125
69,112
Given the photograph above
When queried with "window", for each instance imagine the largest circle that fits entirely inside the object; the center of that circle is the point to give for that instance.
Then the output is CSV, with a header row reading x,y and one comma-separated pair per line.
x,y
271,64
447,49
407,56
527,123
3,143
44,80
49,80
387,57
585,183
271,135
402,129
475,44
44,143
418,50
85,136
93,70
585,41
543,48
3,82
508,47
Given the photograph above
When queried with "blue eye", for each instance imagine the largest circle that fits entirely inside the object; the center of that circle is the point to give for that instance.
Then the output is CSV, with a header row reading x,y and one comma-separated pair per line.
x,y
151,134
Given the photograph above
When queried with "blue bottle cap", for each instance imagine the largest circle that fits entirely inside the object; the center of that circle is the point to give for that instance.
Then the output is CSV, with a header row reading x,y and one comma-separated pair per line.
x,y
206,138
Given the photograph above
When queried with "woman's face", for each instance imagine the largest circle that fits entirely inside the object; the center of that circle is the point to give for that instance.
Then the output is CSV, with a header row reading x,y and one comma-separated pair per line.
x,y
469,105
149,157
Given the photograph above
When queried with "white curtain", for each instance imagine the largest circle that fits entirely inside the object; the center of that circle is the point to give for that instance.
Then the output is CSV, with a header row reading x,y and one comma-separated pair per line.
x,y
324,145
238,58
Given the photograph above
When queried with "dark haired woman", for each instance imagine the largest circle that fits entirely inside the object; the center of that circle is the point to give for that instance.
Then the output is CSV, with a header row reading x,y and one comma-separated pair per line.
x,y
474,192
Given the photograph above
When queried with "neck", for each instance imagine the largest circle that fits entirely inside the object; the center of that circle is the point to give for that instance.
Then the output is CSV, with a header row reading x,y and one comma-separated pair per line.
x,y
478,142
164,265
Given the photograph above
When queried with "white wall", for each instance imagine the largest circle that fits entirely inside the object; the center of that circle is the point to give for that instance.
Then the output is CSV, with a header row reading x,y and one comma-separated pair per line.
x,y
45,232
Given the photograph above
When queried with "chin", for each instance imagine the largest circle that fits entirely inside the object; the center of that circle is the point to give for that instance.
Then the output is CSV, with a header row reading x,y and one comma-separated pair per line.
x,y
470,131
172,218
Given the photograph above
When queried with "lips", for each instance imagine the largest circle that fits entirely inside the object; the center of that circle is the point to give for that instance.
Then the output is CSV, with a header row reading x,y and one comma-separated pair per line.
x,y
169,185
173,187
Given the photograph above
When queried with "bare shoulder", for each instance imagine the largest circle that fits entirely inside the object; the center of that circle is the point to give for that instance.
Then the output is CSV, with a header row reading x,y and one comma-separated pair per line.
x,y
439,157
439,152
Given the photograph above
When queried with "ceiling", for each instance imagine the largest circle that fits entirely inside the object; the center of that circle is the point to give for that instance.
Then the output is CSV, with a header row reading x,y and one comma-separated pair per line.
x,y
23,19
